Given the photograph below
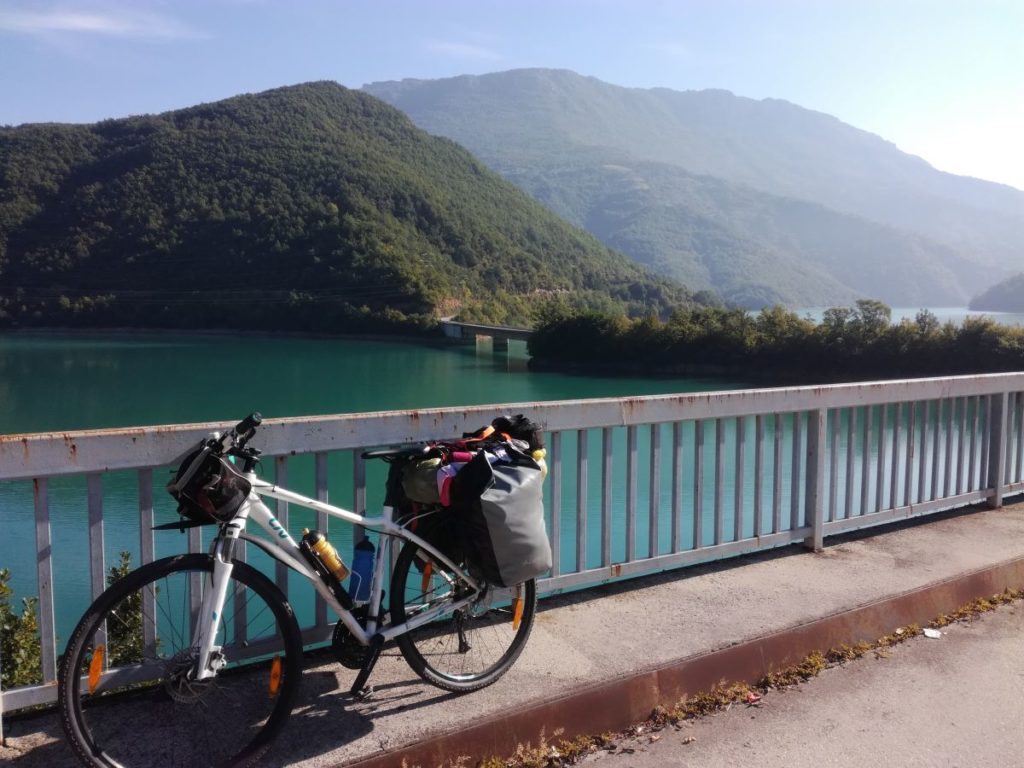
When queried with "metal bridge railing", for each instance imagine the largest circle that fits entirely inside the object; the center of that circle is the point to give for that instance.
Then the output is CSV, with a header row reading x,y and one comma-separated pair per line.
x,y
636,485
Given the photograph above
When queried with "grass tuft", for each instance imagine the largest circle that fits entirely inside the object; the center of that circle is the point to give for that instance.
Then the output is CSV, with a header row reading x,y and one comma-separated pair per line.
x,y
976,607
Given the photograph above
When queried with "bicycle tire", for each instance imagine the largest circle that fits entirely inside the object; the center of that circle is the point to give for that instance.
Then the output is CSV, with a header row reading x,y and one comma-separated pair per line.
x,y
434,651
155,715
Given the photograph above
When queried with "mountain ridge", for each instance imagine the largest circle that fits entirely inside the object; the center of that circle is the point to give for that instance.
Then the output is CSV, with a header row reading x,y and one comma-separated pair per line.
x,y
525,122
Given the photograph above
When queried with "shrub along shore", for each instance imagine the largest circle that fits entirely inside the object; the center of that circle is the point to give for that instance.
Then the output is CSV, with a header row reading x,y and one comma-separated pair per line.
x,y
850,343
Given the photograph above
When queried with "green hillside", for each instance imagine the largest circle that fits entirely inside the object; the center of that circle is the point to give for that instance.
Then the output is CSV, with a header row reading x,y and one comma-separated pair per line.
x,y
1007,296
704,184
310,207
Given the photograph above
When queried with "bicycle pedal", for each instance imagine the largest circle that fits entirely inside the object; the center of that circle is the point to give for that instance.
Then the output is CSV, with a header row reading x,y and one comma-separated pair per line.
x,y
363,694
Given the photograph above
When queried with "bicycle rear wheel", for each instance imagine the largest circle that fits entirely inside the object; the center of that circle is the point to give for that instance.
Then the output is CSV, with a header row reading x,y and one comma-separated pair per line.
x,y
463,649
124,689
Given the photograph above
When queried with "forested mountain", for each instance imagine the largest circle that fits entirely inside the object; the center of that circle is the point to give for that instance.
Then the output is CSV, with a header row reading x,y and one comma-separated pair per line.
x,y
311,207
1007,296
762,200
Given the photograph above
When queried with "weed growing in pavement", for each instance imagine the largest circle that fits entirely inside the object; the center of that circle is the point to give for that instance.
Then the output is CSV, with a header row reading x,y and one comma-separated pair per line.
x,y
981,605
548,755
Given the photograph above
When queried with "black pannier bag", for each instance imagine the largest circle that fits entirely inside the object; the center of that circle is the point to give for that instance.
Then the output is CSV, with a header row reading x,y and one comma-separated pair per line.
x,y
500,508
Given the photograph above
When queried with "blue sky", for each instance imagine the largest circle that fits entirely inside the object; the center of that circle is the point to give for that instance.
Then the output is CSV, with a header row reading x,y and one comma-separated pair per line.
x,y
943,80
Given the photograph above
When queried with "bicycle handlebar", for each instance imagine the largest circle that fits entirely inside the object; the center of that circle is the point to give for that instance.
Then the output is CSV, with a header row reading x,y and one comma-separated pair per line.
x,y
242,433
246,428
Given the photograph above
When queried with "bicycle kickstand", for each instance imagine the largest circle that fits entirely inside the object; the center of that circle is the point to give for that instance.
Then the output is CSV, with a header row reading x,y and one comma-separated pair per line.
x,y
359,688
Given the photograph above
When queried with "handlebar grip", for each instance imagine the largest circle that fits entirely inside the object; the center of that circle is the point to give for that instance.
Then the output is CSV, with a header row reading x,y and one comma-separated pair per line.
x,y
248,424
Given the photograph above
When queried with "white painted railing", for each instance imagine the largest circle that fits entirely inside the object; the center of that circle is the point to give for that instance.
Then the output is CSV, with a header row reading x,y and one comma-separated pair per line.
x,y
636,485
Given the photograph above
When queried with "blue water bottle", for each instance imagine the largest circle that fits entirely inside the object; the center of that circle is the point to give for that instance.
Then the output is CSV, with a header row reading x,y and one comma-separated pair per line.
x,y
362,571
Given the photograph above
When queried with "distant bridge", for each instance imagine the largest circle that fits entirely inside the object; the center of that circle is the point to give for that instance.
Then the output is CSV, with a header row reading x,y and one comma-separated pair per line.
x,y
500,334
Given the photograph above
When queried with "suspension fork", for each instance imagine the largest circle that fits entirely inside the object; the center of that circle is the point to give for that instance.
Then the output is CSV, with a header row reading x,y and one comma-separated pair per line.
x,y
211,611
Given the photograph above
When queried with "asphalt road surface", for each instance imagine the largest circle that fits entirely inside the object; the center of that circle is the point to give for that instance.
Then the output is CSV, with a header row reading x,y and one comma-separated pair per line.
x,y
955,701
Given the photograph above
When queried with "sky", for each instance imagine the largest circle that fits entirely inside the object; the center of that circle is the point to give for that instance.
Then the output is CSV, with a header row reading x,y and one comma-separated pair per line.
x,y
942,80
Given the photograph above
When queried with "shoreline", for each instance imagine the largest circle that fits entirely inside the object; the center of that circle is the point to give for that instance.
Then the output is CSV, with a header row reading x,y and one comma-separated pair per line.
x,y
428,338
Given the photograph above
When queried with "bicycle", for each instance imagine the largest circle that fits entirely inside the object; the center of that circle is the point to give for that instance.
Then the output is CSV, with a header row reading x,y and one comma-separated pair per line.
x,y
195,659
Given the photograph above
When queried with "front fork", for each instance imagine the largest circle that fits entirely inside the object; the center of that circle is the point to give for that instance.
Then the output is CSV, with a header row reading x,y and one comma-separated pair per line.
x,y
211,613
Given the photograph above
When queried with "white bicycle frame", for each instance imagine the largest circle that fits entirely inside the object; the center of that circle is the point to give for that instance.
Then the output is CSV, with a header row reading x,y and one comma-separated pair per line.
x,y
283,548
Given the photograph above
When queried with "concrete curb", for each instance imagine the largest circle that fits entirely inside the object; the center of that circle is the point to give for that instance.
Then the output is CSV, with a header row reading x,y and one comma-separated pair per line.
x,y
619,703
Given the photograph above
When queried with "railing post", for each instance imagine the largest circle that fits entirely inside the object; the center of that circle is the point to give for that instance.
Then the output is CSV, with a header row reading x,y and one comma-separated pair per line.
x,y
997,448
555,477
320,481
581,500
1,699
97,564
815,488
358,494
44,579
281,510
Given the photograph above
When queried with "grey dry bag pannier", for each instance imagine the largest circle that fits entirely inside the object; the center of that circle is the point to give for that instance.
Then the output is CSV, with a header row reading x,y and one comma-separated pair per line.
x,y
500,504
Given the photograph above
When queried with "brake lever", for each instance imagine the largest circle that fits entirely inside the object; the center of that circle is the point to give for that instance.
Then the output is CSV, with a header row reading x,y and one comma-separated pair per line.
x,y
244,452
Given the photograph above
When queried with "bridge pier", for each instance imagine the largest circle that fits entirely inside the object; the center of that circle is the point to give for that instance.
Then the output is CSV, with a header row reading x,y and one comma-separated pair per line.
x,y
497,347
499,339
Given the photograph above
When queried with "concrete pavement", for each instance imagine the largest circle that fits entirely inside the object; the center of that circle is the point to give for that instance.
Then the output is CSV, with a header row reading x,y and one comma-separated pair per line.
x,y
598,659
953,702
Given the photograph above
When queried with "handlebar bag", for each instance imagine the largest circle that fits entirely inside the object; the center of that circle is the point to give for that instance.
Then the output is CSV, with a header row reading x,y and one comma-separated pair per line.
x,y
207,488
501,506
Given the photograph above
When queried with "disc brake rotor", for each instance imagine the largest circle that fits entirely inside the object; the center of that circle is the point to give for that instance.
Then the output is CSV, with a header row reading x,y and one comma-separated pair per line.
x,y
179,685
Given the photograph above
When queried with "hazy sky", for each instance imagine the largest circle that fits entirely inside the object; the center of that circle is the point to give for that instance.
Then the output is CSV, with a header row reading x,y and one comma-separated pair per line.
x,y
943,80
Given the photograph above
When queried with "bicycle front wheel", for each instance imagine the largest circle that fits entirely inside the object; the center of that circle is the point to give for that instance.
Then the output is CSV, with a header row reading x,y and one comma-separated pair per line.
x,y
126,687
462,649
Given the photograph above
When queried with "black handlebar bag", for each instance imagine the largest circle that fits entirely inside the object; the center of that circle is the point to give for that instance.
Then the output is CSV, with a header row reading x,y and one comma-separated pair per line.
x,y
207,487
501,509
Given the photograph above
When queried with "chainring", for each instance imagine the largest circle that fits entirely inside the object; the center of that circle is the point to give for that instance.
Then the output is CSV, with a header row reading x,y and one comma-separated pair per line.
x,y
347,650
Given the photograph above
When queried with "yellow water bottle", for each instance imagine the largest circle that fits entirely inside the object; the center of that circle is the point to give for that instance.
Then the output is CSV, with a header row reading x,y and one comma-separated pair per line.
x,y
326,553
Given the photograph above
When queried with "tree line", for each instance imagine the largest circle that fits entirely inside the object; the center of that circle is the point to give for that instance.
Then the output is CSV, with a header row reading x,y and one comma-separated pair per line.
x,y
849,343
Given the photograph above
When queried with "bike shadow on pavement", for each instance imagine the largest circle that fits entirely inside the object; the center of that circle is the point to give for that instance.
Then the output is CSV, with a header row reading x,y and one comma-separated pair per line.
x,y
327,718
